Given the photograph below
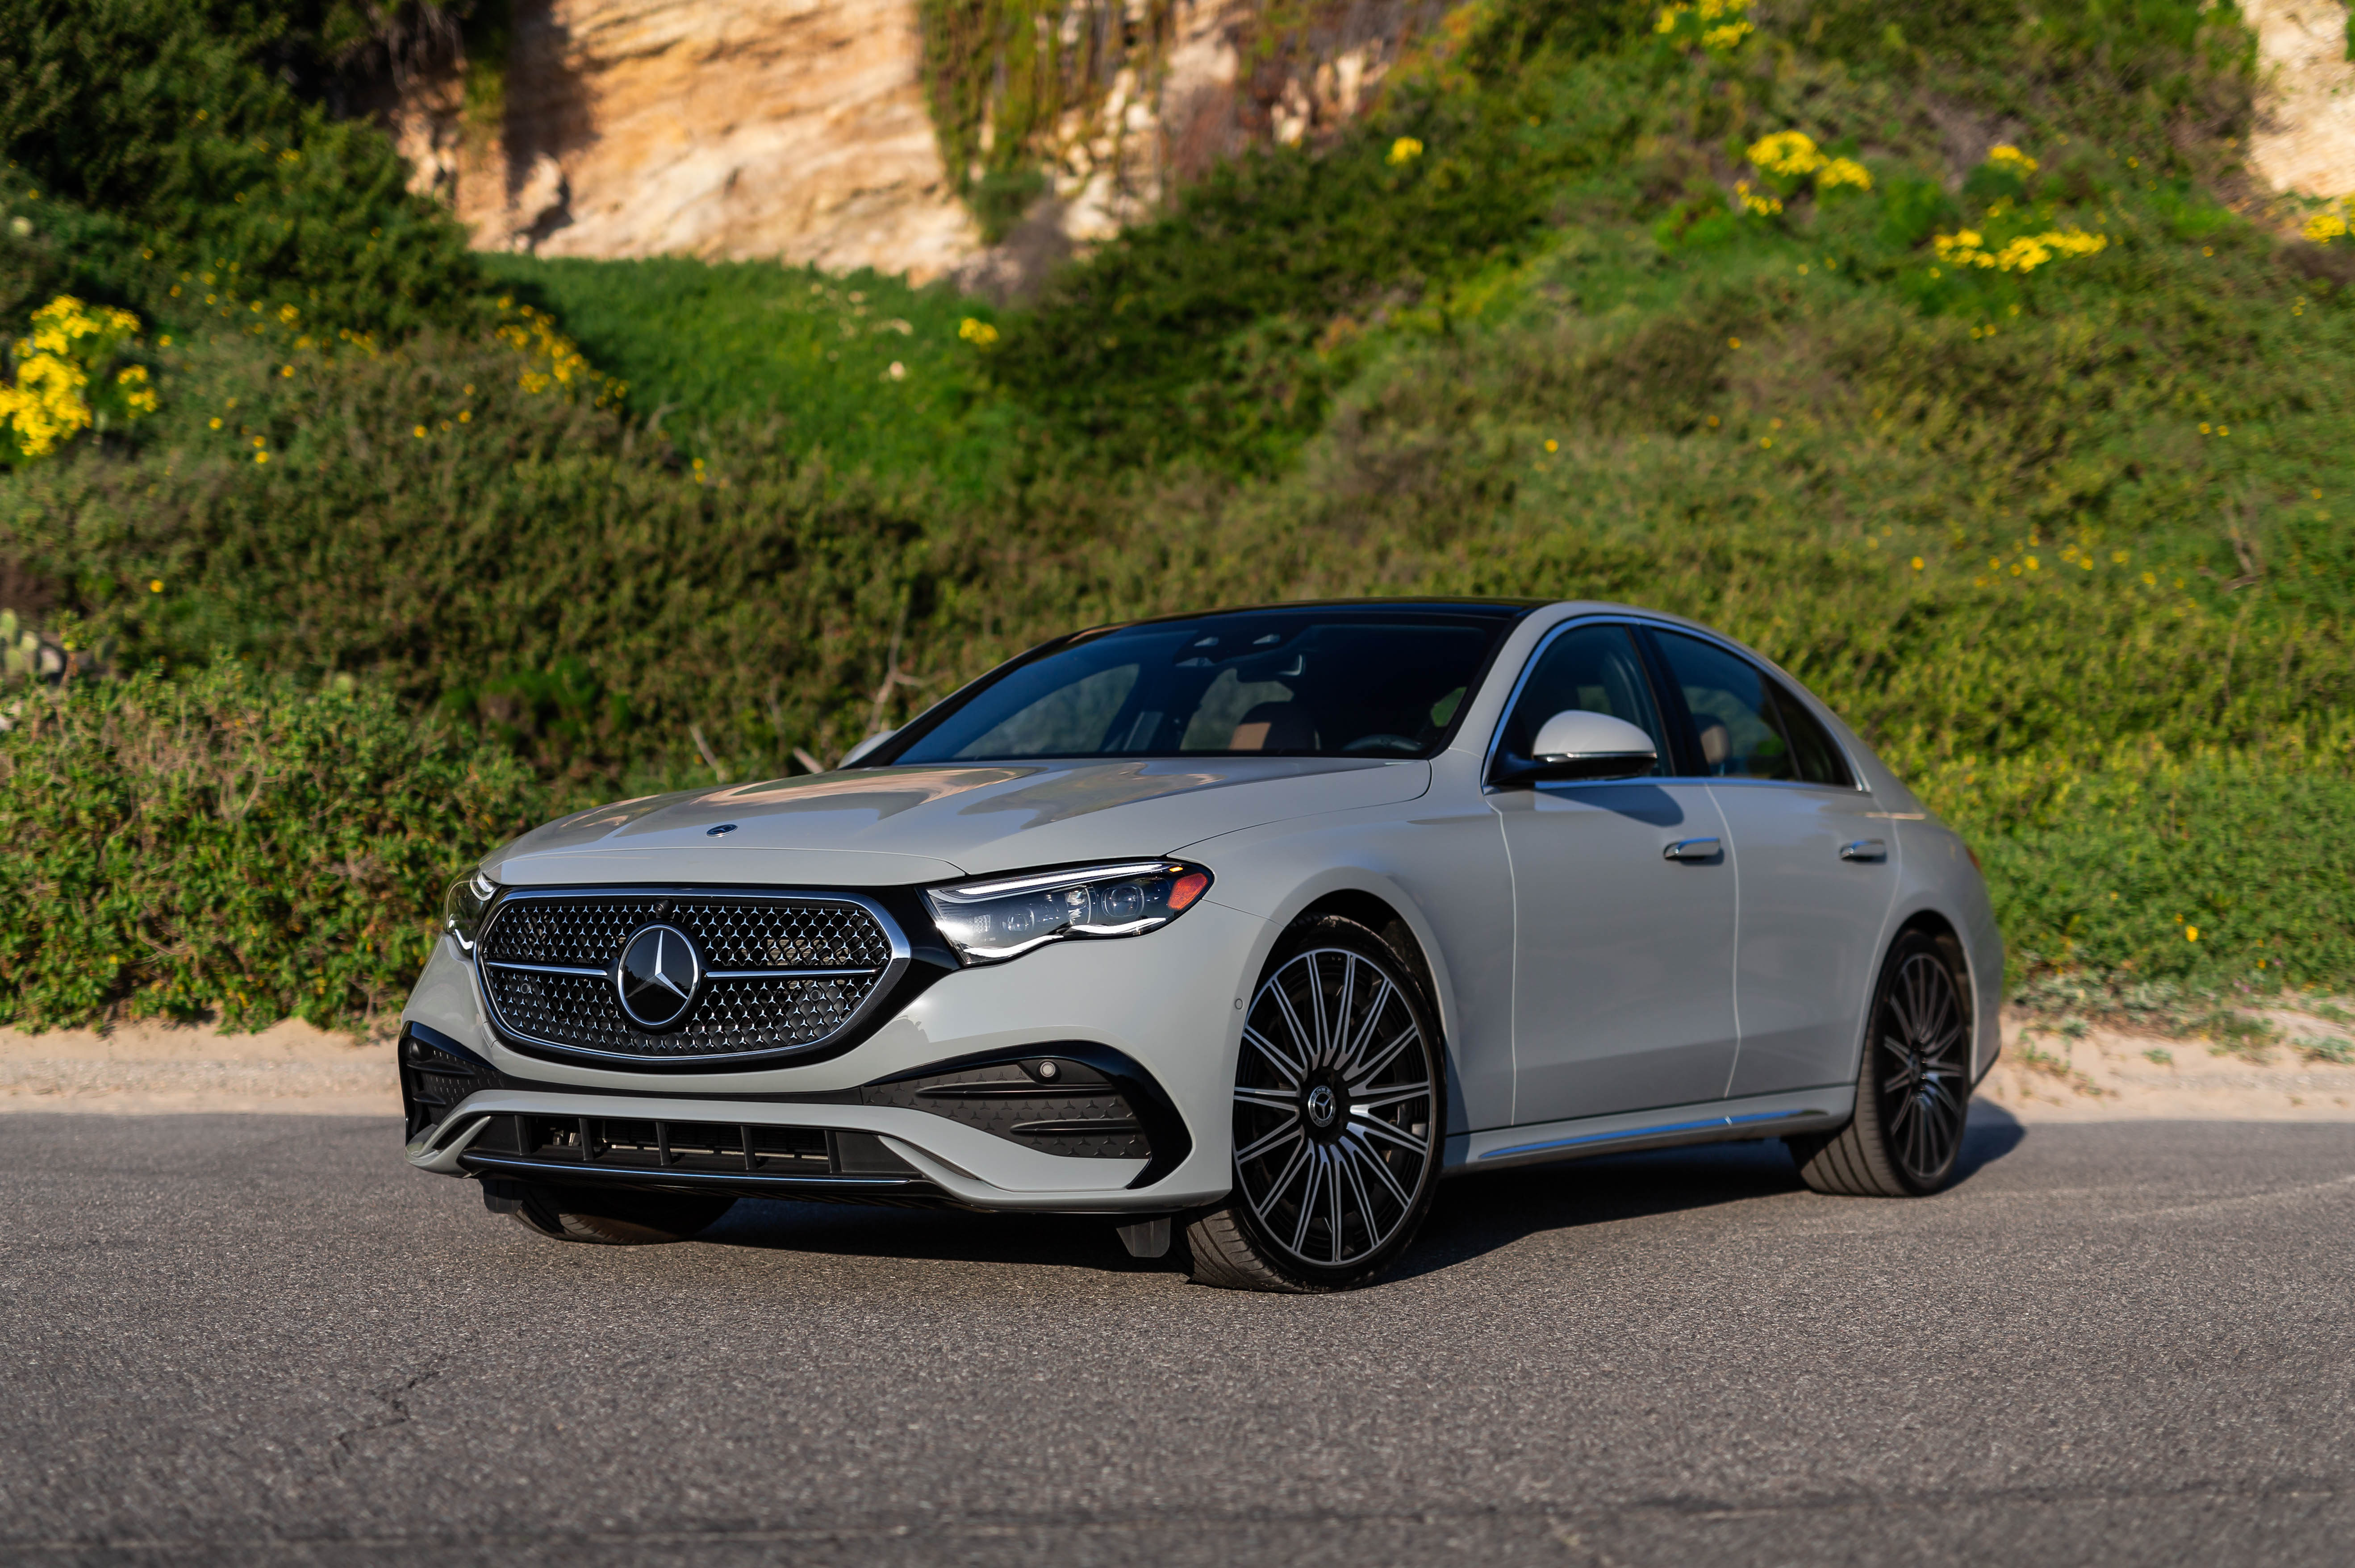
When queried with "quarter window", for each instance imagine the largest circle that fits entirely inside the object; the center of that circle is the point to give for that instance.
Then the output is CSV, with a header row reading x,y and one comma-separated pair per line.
x,y
1745,724
1592,667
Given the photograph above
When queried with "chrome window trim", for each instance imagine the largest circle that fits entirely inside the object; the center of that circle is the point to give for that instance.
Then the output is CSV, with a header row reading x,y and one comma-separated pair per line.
x,y
901,955
1504,713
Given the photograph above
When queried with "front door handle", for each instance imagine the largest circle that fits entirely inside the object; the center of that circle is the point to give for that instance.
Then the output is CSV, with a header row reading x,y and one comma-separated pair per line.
x,y
1692,850
1865,849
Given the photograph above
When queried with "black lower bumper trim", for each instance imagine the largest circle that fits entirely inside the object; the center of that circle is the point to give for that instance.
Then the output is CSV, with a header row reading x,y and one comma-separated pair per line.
x,y
910,1191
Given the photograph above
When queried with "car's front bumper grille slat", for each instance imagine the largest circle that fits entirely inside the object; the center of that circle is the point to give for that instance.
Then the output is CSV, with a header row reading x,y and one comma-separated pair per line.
x,y
781,972
816,1163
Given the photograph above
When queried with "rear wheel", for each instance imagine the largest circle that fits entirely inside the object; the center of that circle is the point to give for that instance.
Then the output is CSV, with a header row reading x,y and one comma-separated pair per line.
x,y
1338,1111
612,1219
1913,1088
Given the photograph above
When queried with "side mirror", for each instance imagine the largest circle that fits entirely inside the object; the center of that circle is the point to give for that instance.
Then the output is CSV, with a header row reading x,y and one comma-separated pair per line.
x,y
1576,744
869,744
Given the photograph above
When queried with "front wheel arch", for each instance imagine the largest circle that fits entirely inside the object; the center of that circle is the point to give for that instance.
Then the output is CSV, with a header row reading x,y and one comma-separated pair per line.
x,y
1342,1086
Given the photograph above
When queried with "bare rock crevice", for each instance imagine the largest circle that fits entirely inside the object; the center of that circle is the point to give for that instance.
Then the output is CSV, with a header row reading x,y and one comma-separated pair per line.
x,y
800,130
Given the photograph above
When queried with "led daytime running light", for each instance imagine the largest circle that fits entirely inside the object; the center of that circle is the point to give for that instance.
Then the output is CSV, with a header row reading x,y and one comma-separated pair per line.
x,y
1004,917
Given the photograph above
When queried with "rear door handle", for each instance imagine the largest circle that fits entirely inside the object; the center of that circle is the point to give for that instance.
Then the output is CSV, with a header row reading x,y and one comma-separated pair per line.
x,y
1692,850
1865,849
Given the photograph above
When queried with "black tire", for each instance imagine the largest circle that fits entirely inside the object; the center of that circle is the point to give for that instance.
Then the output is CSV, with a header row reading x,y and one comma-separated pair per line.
x,y
1340,1116
610,1219
1912,1088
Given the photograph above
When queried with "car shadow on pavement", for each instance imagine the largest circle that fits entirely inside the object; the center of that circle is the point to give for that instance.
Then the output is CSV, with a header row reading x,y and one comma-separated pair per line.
x,y
1478,1214
1472,1214
934,1235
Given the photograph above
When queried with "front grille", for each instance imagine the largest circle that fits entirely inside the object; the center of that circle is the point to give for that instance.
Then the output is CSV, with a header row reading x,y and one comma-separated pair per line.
x,y
781,972
733,931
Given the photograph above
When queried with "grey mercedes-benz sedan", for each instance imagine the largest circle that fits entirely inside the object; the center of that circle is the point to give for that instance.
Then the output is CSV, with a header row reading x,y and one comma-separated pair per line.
x,y
1250,926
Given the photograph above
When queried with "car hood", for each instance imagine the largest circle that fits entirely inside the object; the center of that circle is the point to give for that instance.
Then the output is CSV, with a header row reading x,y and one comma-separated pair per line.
x,y
877,827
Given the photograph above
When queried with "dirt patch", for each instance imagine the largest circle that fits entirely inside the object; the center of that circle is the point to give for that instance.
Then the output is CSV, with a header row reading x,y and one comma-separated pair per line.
x,y
148,1068
2045,1074
2109,1075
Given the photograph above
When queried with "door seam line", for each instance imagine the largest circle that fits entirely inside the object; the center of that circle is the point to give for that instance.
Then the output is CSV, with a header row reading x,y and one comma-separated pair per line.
x,y
1734,978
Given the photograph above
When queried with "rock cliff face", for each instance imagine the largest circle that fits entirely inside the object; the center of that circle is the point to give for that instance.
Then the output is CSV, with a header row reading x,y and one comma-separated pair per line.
x,y
800,129
2305,136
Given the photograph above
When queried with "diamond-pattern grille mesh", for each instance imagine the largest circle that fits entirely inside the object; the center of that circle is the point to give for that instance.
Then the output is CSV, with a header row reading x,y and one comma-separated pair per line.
x,y
731,1016
732,933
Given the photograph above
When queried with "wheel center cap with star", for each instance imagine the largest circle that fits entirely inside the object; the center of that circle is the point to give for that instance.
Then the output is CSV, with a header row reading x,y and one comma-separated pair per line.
x,y
656,976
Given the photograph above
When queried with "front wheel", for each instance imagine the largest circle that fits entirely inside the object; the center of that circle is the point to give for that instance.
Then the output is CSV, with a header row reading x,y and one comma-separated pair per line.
x,y
1914,1088
1338,1114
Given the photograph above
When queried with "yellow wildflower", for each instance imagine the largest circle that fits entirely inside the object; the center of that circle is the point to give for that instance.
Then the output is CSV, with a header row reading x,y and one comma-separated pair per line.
x,y
980,333
1718,25
1844,174
2023,253
2004,156
47,402
1790,154
1405,150
2325,227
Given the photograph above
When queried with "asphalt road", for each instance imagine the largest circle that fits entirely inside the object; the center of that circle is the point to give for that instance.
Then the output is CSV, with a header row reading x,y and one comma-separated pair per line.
x,y
259,1339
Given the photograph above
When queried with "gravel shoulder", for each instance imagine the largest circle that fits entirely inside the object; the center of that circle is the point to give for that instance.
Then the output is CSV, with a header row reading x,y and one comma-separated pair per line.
x,y
150,1069
2104,1074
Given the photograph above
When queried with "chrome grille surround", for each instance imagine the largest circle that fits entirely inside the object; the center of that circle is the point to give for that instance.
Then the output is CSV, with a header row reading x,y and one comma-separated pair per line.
x,y
786,972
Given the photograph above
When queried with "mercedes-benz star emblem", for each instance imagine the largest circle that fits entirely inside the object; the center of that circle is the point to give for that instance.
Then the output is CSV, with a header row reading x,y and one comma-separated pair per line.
x,y
657,976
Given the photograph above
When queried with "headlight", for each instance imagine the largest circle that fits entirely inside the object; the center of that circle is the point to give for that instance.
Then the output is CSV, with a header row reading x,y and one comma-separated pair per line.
x,y
462,907
1004,917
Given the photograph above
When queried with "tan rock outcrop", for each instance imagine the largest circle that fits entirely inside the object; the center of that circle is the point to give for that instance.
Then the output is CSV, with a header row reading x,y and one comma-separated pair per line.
x,y
799,129
2305,141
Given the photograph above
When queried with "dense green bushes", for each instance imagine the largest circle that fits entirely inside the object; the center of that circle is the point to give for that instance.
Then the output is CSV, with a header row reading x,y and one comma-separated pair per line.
x,y
861,370
2066,542
515,558
175,126
229,844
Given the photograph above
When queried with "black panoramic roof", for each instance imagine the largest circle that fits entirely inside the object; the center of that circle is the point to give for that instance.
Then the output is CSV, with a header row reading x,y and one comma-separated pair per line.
x,y
1486,609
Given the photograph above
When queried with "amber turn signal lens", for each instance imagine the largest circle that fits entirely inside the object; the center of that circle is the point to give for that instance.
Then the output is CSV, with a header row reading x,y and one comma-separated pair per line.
x,y
1187,889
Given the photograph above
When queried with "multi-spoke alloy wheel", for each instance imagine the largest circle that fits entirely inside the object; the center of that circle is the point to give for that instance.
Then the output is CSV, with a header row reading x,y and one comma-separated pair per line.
x,y
1913,1089
1336,1118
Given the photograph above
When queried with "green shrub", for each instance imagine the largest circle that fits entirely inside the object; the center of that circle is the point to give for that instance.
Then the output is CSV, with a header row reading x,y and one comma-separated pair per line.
x,y
2066,542
861,369
2207,874
513,558
233,844
177,122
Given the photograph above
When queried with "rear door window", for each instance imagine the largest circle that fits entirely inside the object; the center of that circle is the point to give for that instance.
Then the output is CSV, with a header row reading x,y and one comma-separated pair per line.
x,y
1745,724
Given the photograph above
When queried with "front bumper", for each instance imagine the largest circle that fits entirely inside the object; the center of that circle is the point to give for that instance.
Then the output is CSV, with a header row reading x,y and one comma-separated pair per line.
x,y
1155,1015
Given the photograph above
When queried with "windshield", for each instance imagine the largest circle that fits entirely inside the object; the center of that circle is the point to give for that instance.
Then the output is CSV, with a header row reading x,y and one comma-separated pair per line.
x,y
1334,682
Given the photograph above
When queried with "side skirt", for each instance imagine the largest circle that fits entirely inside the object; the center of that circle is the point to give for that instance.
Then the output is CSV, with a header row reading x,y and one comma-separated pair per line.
x,y
1707,1121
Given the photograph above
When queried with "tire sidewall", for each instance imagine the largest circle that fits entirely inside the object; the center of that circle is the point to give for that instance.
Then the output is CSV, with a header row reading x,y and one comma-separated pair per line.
x,y
1869,1109
1327,932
